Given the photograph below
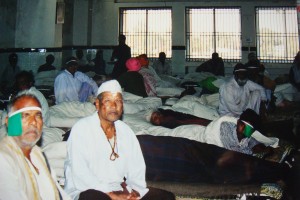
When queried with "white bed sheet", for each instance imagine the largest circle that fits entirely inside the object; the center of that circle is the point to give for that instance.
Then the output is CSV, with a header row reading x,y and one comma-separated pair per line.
x,y
141,126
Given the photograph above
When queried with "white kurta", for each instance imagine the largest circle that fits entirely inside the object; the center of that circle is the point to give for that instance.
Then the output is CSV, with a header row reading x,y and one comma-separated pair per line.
x,y
67,86
18,178
234,99
88,164
162,69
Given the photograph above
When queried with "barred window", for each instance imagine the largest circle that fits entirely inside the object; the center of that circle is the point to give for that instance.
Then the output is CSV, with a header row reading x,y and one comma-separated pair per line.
x,y
147,30
212,30
277,34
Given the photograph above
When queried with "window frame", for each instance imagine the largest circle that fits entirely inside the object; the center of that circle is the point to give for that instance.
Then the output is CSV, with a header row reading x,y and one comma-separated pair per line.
x,y
121,31
215,33
286,58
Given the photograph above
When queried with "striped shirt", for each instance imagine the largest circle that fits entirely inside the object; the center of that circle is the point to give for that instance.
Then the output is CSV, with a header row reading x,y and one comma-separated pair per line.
x,y
230,140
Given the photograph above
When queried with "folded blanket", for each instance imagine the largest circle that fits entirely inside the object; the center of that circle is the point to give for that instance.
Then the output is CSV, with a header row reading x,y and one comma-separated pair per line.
x,y
129,97
59,171
56,150
169,91
67,114
51,135
56,154
142,105
196,108
57,163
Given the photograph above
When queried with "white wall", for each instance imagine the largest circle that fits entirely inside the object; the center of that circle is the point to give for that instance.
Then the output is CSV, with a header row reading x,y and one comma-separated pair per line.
x,y
106,24
35,27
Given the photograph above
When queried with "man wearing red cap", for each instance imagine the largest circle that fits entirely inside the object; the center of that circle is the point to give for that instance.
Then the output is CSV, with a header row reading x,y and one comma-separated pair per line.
x,y
148,75
132,81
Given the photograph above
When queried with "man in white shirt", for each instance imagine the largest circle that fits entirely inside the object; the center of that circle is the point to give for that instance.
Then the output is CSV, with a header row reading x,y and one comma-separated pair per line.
x,y
161,66
104,159
72,85
24,172
239,93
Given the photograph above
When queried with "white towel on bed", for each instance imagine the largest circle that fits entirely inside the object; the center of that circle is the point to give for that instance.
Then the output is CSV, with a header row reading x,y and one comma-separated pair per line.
x,y
267,141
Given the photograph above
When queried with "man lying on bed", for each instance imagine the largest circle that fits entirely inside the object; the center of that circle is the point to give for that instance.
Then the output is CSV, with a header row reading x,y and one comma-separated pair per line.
x,y
172,119
237,136
233,134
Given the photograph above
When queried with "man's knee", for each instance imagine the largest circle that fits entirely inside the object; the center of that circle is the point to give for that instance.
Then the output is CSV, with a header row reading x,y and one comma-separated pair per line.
x,y
93,195
158,194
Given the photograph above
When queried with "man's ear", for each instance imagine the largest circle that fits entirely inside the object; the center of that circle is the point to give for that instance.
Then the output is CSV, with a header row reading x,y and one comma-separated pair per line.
x,y
6,120
240,125
97,103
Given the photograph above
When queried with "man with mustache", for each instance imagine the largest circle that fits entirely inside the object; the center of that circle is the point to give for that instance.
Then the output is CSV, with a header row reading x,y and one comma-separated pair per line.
x,y
239,93
104,159
24,170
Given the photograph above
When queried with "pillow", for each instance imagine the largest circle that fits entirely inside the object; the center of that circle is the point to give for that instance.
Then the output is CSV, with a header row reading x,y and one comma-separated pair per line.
x,y
129,97
197,109
142,105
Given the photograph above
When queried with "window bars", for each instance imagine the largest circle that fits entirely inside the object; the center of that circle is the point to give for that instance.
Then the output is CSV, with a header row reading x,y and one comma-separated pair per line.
x,y
277,34
212,30
147,30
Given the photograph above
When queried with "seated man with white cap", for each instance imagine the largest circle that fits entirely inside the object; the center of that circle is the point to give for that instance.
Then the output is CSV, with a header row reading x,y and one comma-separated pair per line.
x,y
72,85
104,159
239,93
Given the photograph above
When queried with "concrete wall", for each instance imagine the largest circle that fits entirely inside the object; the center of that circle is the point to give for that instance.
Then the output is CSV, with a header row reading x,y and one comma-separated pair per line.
x,y
33,25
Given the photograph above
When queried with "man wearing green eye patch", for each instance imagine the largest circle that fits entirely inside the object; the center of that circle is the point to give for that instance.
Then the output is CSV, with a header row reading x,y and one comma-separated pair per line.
x,y
24,171
237,136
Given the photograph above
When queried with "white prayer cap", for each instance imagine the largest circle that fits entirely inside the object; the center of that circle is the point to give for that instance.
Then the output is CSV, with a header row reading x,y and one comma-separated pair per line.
x,y
112,86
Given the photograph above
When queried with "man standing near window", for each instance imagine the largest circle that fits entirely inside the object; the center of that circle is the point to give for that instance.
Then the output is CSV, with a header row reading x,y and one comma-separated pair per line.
x,y
120,55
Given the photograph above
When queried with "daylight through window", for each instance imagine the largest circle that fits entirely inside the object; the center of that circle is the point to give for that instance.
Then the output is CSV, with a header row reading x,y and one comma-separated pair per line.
x,y
147,30
277,34
212,30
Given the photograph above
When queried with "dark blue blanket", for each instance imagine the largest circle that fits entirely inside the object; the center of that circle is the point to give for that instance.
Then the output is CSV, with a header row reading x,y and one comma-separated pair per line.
x,y
179,159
